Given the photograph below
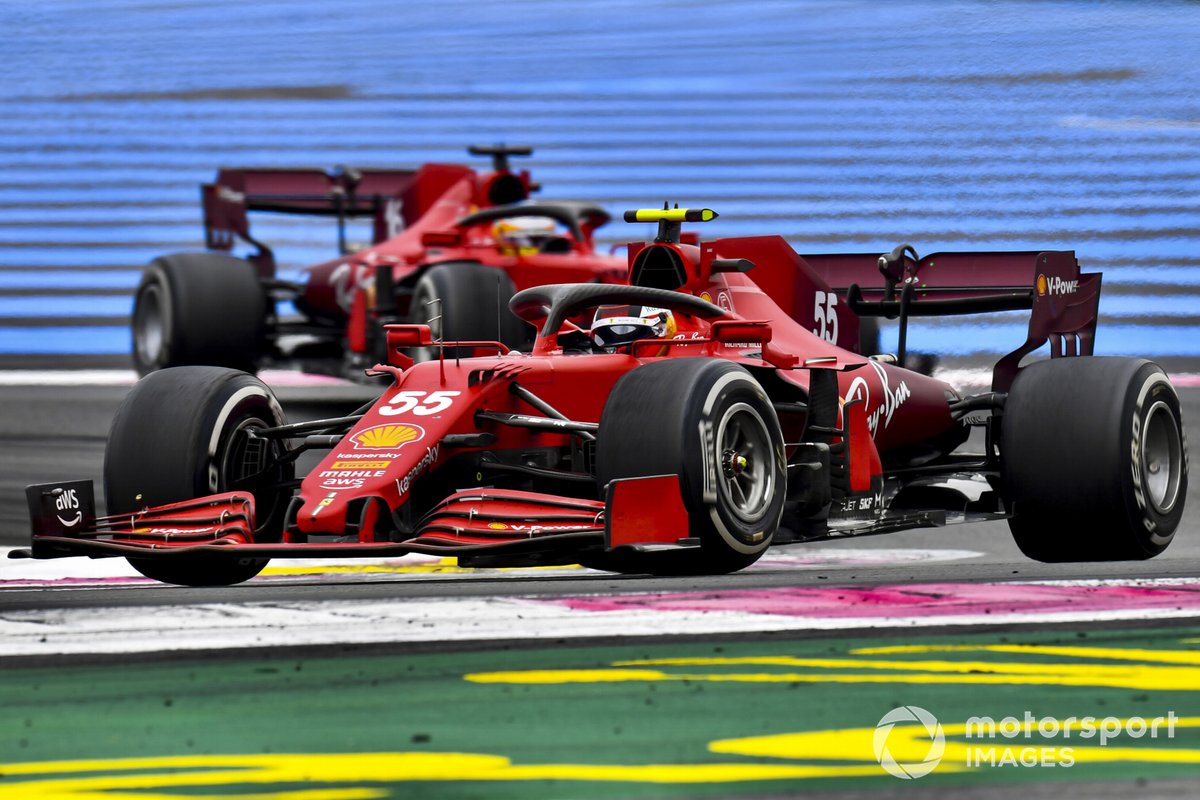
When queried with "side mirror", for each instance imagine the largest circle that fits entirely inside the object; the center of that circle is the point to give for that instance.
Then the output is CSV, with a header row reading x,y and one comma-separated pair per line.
x,y
442,239
741,331
402,336
399,336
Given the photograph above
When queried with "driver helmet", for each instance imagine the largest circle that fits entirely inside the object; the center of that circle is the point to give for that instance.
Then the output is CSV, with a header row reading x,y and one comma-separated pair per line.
x,y
616,326
523,235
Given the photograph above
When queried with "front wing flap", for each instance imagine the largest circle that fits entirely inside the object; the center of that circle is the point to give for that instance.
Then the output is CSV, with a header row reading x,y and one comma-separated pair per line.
x,y
472,521
64,522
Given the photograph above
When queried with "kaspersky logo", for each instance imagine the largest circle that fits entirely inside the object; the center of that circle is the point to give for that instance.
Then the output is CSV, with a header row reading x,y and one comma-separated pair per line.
x,y
919,726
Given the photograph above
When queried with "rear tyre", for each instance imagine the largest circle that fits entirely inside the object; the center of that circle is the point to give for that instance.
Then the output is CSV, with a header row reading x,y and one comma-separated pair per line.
x,y
198,308
1094,461
473,307
710,422
182,433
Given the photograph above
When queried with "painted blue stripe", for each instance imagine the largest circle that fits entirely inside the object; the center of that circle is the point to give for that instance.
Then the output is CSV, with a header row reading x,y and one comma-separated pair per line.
x,y
183,192
98,279
1044,233
945,340
1112,340
1050,105
293,258
624,149
1101,213
640,137
65,306
946,163
1136,276
902,174
86,340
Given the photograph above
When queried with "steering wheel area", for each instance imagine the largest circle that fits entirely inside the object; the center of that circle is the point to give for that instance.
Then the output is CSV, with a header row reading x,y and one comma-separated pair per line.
x,y
549,307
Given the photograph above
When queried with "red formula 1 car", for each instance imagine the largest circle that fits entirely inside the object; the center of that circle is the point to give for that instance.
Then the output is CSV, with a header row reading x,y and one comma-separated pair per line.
x,y
651,430
450,246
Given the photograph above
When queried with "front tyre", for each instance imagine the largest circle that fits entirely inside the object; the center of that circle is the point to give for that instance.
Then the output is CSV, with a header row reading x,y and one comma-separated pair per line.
x,y
466,301
198,308
183,433
711,423
1094,461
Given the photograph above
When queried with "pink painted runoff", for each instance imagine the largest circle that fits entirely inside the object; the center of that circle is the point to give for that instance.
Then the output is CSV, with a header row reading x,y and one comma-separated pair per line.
x,y
912,600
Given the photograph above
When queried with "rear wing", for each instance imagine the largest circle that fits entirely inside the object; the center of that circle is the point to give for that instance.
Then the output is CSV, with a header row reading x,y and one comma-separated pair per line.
x,y
395,198
1064,302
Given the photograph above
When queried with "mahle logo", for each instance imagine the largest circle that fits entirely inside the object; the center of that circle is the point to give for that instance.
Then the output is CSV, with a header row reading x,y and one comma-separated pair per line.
x,y
896,752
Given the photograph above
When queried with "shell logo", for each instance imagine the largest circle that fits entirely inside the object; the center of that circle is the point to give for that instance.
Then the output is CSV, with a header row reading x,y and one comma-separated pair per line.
x,y
497,526
386,437
1041,285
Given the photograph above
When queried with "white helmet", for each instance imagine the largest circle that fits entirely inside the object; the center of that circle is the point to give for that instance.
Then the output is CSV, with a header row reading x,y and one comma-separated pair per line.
x,y
615,326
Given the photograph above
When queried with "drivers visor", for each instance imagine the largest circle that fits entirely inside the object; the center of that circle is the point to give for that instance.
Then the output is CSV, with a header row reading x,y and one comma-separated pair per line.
x,y
615,331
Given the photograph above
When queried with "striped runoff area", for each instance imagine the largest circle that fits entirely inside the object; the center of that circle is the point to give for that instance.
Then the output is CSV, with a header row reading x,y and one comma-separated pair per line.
x,y
845,126
508,615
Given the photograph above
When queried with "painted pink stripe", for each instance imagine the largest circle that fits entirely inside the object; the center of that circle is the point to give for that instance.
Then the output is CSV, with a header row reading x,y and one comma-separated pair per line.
x,y
1189,379
283,377
911,600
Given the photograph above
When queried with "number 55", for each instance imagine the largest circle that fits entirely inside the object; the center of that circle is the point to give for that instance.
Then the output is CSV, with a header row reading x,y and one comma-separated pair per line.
x,y
825,316
418,403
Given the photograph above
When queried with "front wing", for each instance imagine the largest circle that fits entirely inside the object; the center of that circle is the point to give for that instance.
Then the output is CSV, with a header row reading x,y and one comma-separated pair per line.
x,y
469,522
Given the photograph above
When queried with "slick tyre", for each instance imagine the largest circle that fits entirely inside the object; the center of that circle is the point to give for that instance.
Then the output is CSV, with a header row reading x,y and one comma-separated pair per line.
x,y
1093,459
181,433
466,301
711,423
198,309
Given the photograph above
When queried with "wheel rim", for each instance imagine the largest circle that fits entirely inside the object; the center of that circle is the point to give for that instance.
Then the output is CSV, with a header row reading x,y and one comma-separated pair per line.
x,y
150,326
1162,458
745,480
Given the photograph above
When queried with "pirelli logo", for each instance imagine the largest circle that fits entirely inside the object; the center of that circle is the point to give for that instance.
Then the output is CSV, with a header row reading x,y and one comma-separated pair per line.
x,y
360,464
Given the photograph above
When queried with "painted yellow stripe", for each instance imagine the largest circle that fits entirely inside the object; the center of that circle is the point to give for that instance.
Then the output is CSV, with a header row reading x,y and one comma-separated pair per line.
x,y
1188,657
1173,670
445,565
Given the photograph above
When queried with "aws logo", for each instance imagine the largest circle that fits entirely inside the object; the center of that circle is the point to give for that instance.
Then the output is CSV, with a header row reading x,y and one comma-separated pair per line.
x,y
387,437
65,503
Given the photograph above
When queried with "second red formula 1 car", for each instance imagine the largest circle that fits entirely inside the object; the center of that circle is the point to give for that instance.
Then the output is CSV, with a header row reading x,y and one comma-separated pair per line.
x,y
652,430
449,247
